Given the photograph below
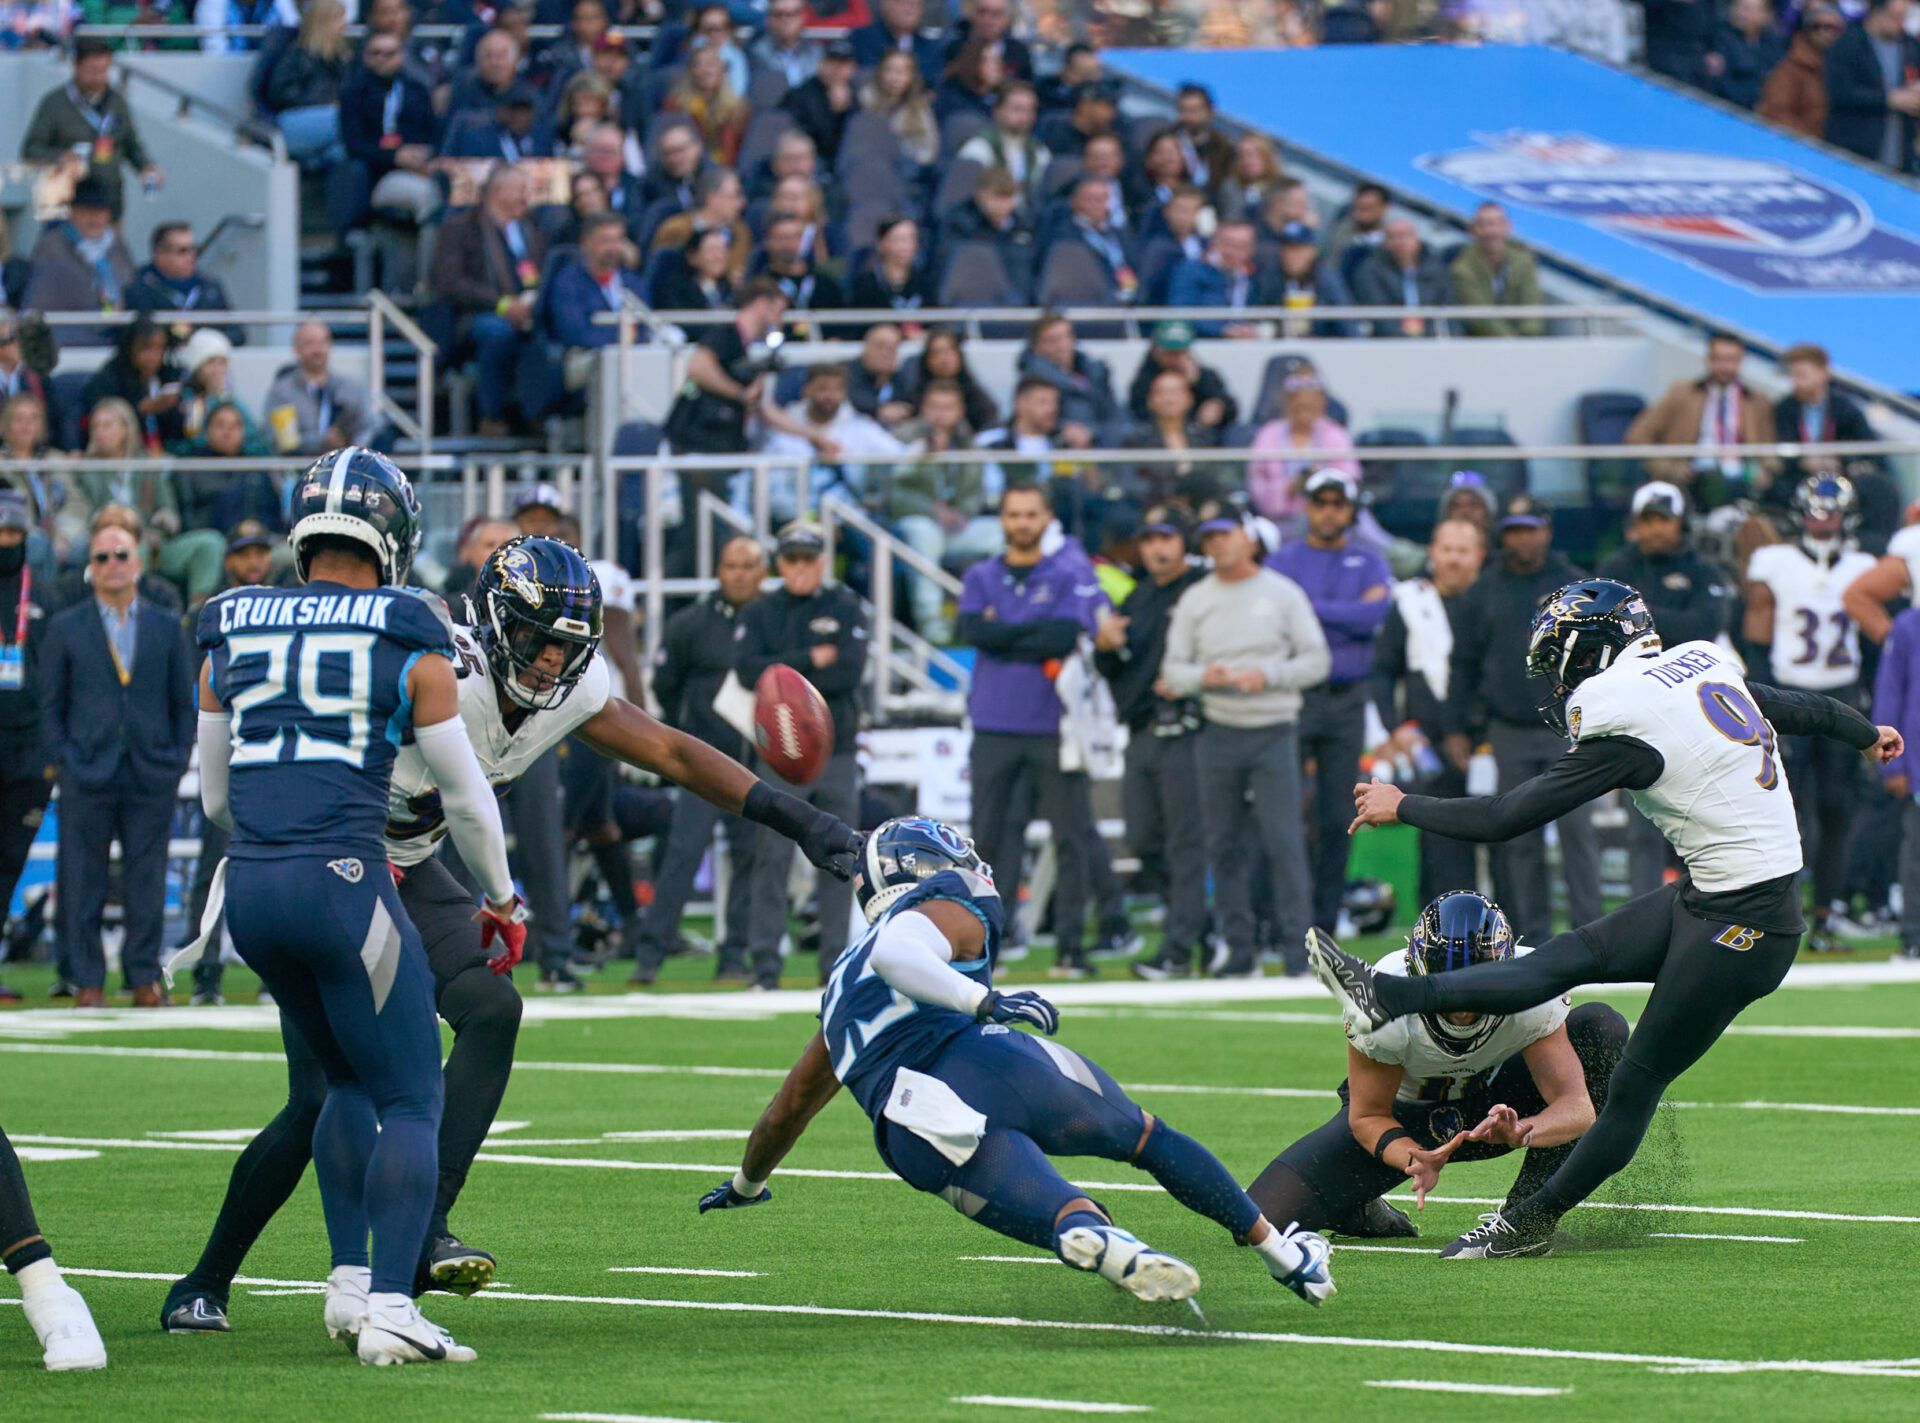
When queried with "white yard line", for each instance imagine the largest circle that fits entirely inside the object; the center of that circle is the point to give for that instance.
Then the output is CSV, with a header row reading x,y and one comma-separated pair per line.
x,y
1504,1390
676,1270
1759,1212
1050,1405
1015,1259
1341,1247
619,1418
239,1134
1713,1235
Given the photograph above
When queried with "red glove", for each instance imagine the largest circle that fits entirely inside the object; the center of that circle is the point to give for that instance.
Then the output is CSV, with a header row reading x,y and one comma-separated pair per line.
x,y
509,925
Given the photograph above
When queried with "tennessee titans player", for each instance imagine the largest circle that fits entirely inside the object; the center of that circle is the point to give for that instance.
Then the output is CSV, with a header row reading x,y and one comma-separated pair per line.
x,y
306,698
966,1109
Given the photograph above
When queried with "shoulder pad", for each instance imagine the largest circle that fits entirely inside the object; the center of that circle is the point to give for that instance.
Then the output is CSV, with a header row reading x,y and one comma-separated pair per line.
x,y
420,619
206,630
1760,563
962,887
1386,1044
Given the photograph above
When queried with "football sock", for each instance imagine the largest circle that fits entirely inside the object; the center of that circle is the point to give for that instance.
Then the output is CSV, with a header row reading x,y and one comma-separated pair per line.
x,y
1633,1095
21,1245
399,1195
484,1012
1193,1176
1076,1220
263,1180
40,1278
344,1138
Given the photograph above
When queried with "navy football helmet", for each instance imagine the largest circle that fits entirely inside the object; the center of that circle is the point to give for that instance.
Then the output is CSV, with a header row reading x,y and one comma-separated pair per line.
x,y
360,495
1827,506
535,592
903,853
1582,629
1458,930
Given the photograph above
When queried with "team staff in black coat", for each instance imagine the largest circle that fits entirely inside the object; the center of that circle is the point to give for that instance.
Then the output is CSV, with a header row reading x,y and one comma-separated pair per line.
x,y
1865,113
696,654
817,629
1157,795
117,706
1491,698
26,778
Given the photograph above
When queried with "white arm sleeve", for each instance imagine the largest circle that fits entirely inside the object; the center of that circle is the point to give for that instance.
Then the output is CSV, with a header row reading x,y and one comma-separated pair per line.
x,y
216,749
473,815
914,958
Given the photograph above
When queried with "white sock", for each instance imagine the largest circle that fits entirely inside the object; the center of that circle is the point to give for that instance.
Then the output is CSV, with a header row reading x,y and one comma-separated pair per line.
x,y
1279,1256
393,1302
40,1279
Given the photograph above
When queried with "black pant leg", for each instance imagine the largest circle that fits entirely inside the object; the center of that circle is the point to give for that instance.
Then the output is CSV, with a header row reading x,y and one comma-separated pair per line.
x,y
1446,864
1520,880
688,836
1066,804
1338,722
81,875
144,819
1323,1179
540,860
1177,789
21,1243
996,765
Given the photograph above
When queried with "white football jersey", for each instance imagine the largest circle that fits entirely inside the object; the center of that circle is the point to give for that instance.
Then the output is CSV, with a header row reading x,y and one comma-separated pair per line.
x,y
1722,800
617,590
1432,1074
1905,546
1816,646
415,820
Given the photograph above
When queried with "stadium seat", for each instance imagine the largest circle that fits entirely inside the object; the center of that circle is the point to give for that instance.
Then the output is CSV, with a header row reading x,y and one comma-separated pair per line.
x,y
957,180
975,276
66,391
765,89
1405,492
958,128
762,137
1070,275
1506,477
1603,417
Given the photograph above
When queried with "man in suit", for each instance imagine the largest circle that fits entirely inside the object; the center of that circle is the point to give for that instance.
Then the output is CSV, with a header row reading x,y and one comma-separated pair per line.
x,y
1873,87
117,707
899,28
1814,413
512,132
992,22
487,267
1715,411
173,282
590,284
1229,276
1404,272
1090,224
388,127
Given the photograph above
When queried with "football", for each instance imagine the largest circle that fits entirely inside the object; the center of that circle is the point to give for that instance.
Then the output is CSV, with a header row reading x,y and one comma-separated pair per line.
x,y
792,728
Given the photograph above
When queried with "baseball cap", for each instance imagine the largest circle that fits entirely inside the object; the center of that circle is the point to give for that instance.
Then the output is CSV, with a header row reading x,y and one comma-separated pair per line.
x,y
1298,234
838,49
1101,89
1162,519
802,538
13,510
1335,479
1217,516
249,533
1659,497
1173,336
517,96
539,496
1526,512
90,192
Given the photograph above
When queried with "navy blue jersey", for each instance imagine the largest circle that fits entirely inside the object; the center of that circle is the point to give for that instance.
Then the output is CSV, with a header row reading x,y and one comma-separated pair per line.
x,y
316,680
870,1027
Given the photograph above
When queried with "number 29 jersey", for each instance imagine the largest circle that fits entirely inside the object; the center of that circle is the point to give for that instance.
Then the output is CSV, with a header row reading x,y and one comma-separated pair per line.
x,y
1721,798
1816,646
316,681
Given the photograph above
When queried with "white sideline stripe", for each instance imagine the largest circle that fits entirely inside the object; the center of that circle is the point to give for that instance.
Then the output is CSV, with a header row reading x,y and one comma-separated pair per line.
x,y
620,1418
1015,1259
241,1134
1757,1211
692,1134
54,1153
1711,1235
1341,1247
1051,1405
499,1127
675,1270
291,1290
1505,1390
1897,1368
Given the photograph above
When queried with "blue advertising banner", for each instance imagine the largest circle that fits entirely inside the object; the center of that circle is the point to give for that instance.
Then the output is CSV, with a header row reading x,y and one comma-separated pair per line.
x,y
1703,209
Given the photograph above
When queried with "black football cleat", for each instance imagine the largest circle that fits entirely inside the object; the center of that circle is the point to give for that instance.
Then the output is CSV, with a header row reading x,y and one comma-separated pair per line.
x,y
194,1312
457,1268
1502,1237
1348,979
1378,1220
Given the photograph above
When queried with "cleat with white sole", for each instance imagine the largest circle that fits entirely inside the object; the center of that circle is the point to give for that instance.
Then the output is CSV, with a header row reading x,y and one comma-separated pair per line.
x,y
1299,1259
1498,1237
346,1302
64,1326
1129,1263
1348,979
394,1331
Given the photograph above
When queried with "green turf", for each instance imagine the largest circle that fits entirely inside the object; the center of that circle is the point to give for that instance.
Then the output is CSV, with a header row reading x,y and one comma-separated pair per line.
x,y
1846,1294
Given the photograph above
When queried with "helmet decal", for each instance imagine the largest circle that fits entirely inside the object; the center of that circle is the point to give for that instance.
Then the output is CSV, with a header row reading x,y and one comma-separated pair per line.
x,y
518,573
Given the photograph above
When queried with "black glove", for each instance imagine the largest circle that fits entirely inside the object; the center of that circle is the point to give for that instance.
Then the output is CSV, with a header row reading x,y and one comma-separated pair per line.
x,y
1024,1007
832,845
724,1198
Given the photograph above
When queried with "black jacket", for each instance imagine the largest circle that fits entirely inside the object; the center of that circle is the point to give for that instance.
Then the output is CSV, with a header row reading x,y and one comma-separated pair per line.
x,y
1857,96
363,100
1210,386
813,114
783,628
1131,670
1845,421
1488,680
696,653
1687,595
101,733
152,292
20,709
1399,693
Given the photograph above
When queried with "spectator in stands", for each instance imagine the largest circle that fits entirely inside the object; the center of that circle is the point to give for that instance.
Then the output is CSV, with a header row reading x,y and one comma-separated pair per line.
x,y
895,280
1079,66
220,499
1169,424
1053,355
1492,270
187,558
718,202
80,264
898,28
207,362
603,156
1357,231
1491,698
793,157
716,108
1020,611
1679,34
1873,96
992,216
1032,429
822,104
17,377
86,115
1214,407
1746,47
1256,172
26,772
785,257
141,373
700,279
712,28
1229,278
312,408
820,631
613,64
897,90
1348,585
939,510
1404,272
1090,224
572,53
1795,95
943,356
303,90
387,125
783,48
1176,239
1009,142
1468,499
1717,410
14,269
990,23
117,708
1244,641
497,61
829,428
1105,157
1288,203
486,269
173,282
1308,280
478,541
1163,172
1274,485
696,658
593,282
1206,151
972,76
873,381
514,131
23,436
1093,108
1813,412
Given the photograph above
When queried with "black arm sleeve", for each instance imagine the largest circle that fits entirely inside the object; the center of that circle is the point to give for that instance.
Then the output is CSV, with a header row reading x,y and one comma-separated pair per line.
x,y
1812,714
1021,642
1591,769
1389,665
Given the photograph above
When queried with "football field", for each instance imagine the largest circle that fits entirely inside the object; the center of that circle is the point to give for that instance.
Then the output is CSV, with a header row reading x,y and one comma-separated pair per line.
x,y
1757,1262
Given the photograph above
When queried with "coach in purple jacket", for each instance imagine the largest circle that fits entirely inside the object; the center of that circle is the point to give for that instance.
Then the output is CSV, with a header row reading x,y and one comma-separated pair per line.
x,y
1023,612
1896,701
1348,584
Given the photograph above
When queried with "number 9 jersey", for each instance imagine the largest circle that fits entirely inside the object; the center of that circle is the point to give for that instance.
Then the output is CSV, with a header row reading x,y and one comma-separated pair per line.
x,y
1721,798
316,680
